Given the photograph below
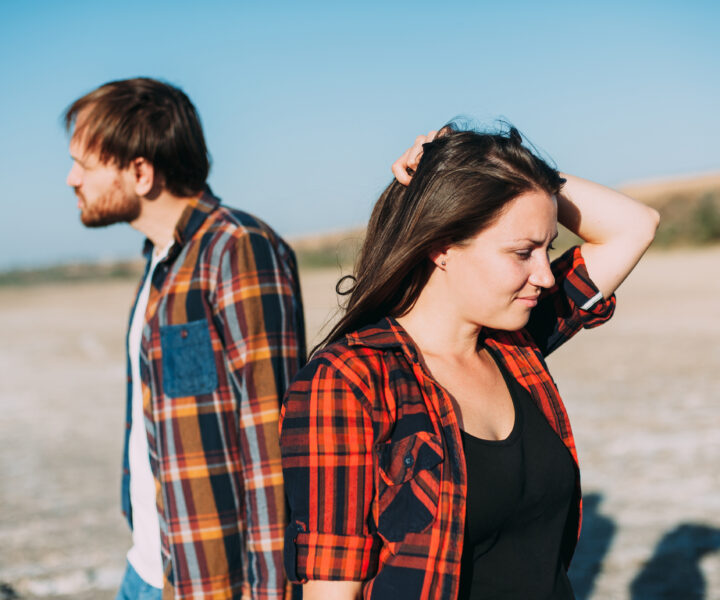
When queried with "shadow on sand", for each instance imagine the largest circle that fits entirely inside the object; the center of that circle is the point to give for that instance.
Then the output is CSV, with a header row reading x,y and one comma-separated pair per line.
x,y
597,533
674,569
672,573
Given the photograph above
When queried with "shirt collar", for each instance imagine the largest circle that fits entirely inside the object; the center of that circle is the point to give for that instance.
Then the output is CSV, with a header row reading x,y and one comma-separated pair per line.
x,y
194,215
386,334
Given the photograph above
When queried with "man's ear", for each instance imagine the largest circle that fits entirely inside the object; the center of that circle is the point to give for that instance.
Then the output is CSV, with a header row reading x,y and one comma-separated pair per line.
x,y
143,174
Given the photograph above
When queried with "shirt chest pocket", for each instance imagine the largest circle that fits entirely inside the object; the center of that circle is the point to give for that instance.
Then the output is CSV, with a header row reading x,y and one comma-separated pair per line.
x,y
188,362
409,478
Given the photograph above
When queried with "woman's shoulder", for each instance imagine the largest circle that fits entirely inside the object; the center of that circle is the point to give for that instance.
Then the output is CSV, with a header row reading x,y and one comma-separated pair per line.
x,y
340,374
343,356
359,357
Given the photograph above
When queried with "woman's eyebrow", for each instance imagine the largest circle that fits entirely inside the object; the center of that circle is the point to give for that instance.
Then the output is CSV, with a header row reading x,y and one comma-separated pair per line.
x,y
537,242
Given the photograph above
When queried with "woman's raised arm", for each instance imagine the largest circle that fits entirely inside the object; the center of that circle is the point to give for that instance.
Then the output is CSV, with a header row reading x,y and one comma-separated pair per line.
x,y
615,228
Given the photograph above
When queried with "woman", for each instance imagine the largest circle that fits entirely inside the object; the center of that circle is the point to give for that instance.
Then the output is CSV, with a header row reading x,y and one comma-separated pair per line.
x,y
426,451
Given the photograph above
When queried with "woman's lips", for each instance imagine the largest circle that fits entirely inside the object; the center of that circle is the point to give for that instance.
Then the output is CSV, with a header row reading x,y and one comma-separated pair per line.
x,y
528,300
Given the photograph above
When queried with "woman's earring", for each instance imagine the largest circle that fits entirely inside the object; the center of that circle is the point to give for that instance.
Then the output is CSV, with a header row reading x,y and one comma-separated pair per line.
x,y
442,262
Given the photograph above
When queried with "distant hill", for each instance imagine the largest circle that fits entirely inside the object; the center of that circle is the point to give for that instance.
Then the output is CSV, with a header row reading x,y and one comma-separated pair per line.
x,y
336,248
658,192
689,209
73,272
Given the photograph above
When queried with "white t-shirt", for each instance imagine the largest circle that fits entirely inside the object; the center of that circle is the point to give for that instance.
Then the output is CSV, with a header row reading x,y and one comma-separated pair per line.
x,y
144,556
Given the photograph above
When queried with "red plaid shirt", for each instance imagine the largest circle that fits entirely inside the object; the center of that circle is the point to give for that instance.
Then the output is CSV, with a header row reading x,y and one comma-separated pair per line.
x,y
373,458
223,336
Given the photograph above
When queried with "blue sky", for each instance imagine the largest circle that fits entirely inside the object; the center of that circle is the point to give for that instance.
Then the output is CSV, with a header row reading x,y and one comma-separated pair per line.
x,y
306,105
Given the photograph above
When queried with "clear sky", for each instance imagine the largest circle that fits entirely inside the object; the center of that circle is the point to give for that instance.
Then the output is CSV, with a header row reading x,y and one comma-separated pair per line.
x,y
307,104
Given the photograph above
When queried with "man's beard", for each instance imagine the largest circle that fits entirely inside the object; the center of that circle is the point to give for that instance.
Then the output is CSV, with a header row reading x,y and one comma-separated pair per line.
x,y
111,207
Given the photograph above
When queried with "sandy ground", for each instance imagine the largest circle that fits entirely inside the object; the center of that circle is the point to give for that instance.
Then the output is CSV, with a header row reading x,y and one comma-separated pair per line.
x,y
643,394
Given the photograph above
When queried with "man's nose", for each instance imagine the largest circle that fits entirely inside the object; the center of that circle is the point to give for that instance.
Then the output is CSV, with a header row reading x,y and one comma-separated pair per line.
x,y
73,177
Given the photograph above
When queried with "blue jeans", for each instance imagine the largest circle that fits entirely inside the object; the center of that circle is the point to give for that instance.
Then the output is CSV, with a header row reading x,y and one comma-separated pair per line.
x,y
135,588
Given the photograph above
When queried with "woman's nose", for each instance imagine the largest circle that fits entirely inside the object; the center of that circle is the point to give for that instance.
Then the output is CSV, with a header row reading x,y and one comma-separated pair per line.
x,y
542,275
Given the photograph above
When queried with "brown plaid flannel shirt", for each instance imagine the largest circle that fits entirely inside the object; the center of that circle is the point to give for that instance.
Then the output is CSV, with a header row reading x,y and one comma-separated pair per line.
x,y
223,336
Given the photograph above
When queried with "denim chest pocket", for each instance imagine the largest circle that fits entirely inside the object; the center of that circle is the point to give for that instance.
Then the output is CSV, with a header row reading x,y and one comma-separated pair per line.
x,y
410,474
188,361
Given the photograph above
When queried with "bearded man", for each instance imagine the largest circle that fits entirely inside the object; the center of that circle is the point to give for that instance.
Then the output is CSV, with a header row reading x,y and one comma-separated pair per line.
x,y
215,335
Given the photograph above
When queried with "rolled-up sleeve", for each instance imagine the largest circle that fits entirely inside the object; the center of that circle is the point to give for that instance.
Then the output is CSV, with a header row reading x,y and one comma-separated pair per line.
x,y
326,442
573,303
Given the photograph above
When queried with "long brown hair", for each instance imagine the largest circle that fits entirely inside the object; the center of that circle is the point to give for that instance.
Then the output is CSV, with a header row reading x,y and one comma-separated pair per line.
x,y
463,182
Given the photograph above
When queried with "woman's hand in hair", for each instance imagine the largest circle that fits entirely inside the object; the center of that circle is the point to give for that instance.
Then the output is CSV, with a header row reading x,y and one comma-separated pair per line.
x,y
404,167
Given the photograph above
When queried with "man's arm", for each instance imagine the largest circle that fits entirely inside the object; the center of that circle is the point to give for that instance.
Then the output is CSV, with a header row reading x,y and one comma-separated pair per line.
x,y
259,310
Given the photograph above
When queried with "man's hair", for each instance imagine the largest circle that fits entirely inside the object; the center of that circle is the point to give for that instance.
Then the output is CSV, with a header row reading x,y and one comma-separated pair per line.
x,y
144,118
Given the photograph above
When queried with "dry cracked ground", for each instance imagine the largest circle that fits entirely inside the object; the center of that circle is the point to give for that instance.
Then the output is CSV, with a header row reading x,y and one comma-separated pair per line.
x,y
643,394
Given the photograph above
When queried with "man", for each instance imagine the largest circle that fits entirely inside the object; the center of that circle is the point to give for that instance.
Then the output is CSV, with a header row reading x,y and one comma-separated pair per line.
x,y
215,335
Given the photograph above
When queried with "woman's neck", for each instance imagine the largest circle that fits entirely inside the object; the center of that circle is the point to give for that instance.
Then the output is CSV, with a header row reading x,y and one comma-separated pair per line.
x,y
436,327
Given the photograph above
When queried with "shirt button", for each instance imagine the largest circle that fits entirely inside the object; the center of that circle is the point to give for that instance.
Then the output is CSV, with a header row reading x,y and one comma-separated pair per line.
x,y
183,333
408,460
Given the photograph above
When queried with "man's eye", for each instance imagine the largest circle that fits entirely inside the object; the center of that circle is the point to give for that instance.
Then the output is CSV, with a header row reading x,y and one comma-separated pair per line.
x,y
524,254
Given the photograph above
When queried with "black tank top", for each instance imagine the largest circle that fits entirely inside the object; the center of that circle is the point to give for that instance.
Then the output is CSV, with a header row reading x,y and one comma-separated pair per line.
x,y
518,497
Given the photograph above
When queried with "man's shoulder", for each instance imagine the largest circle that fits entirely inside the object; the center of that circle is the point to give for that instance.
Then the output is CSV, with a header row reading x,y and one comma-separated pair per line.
x,y
229,229
238,223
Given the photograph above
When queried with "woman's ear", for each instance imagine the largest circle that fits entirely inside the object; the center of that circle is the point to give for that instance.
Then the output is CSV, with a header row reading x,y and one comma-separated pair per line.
x,y
439,257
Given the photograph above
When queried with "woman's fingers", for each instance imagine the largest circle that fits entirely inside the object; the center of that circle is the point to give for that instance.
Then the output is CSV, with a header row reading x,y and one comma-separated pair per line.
x,y
431,136
404,167
416,150
399,168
